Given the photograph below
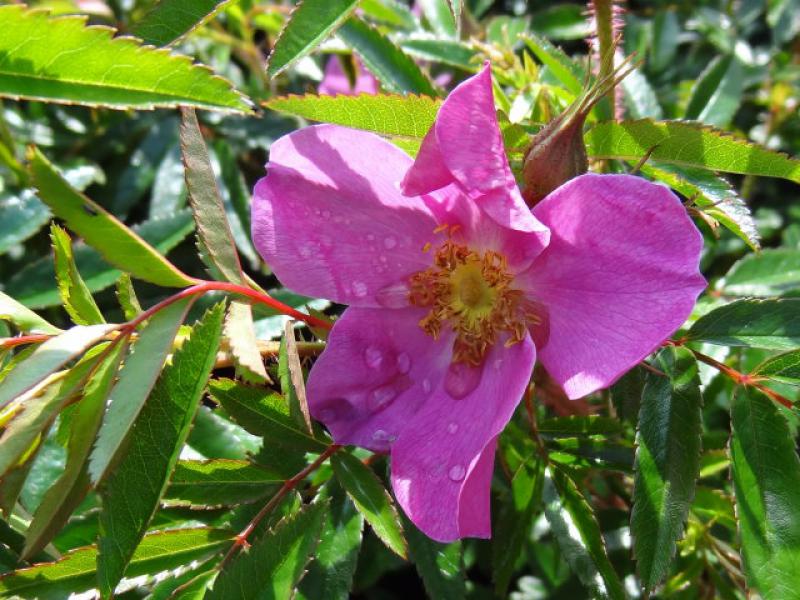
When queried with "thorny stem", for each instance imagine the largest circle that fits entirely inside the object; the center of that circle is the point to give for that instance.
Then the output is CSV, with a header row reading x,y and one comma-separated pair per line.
x,y
200,288
737,376
288,486
606,43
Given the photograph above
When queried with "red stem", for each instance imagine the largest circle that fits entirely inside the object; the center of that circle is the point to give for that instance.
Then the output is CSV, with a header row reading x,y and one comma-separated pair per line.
x,y
289,485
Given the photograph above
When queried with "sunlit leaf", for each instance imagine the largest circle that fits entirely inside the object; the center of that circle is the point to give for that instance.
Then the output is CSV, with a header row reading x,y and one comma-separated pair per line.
x,y
170,20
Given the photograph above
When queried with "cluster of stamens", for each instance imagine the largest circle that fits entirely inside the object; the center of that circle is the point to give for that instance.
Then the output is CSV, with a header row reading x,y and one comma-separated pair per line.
x,y
471,292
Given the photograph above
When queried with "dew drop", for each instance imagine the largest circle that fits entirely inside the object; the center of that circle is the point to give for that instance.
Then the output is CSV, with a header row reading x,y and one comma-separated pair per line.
x,y
306,251
389,242
359,289
381,397
393,296
452,427
426,385
461,379
326,214
373,357
456,473
403,363
370,237
382,258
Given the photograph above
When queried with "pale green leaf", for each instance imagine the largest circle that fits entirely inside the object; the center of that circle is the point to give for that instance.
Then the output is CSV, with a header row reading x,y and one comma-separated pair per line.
x,y
77,299
219,482
772,272
118,244
773,324
48,358
23,317
717,93
687,144
242,344
405,116
60,59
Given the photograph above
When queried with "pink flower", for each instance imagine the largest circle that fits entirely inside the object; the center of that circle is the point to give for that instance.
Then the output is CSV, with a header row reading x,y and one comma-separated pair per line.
x,y
335,80
454,285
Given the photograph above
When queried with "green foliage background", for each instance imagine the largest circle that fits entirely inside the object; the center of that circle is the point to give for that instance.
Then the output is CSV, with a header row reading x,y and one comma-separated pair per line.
x,y
681,481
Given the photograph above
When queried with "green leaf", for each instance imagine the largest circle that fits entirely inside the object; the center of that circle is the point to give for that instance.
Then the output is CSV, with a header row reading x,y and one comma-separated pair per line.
x,y
439,565
766,481
170,20
60,59
118,244
24,318
213,230
393,68
219,482
578,535
21,216
391,12
77,300
48,358
330,574
562,66
33,414
783,367
440,15
75,572
33,284
579,425
136,379
126,296
667,462
512,527
242,344
687,144
562,22
771,324
772,272
714,506
640,97
69,490
131,492
712,195
371,499
309,24
406,116
448,52
262,412
272,567
717,93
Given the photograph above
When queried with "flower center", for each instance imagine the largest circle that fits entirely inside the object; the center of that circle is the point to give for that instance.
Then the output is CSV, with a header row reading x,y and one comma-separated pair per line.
x,y
470,291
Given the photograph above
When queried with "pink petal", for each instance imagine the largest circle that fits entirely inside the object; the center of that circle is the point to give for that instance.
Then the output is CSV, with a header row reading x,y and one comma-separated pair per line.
x,y
442,461
465,146
619,276
329,219
377,370
335,81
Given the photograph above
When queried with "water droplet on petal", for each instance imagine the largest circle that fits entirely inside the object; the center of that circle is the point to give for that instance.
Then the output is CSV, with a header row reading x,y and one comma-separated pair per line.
x,y
359,289
383,258
393,296
390,242
426,385
326,214
452,427
456,473
461,379
381,397
403,363
306,250
373,357
370,237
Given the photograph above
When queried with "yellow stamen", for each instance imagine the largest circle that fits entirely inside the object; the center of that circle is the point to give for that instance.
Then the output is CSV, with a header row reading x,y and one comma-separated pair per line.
x,y
471,292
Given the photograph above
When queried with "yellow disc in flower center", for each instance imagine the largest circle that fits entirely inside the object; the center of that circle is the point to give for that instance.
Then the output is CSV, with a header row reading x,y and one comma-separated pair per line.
x,y
471,292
